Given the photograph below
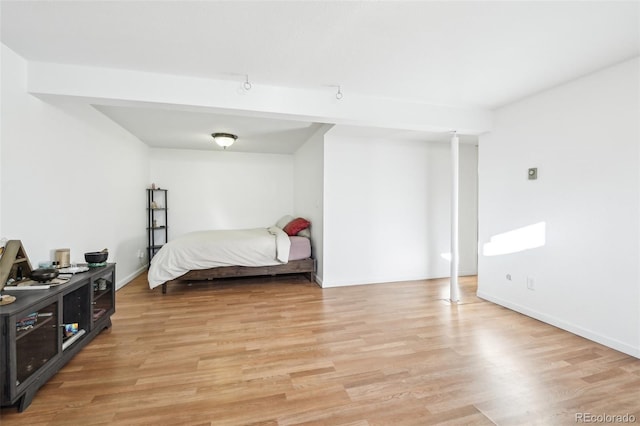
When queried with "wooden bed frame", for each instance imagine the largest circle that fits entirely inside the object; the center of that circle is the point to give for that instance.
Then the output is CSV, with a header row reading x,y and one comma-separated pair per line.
x,y
304,266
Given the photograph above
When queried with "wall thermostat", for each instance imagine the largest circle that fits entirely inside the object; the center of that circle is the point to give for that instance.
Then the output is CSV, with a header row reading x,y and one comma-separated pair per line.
x,y
533,173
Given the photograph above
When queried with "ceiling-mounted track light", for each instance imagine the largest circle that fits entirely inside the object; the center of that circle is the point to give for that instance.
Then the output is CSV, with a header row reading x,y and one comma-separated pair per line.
x,y
224,139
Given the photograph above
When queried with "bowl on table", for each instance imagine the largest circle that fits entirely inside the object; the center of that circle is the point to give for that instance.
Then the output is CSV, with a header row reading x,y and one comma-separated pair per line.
x,y
44,274
96,256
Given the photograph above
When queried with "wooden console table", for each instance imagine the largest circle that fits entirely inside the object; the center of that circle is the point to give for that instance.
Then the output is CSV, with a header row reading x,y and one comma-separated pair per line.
x,y
43,329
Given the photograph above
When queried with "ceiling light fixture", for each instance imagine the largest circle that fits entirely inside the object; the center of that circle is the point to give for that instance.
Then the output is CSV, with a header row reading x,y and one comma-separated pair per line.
x,y
339,93
224,139
247,85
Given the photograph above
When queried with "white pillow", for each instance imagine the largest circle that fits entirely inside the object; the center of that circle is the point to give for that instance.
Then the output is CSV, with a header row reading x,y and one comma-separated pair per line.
x,y
305,233
284,220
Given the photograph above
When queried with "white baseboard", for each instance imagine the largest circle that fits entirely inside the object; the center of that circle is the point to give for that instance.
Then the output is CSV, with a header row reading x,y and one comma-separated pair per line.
x,y
126,280
374,280
557,322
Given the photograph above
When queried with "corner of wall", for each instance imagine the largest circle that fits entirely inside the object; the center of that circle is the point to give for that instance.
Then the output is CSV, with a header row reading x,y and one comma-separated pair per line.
x,y
308,192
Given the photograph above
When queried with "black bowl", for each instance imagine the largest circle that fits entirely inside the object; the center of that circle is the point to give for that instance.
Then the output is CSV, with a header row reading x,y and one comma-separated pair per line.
x,y
44,274
96,256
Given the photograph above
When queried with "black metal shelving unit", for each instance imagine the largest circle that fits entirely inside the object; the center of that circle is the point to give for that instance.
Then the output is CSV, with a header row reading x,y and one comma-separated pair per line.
x,y
157,221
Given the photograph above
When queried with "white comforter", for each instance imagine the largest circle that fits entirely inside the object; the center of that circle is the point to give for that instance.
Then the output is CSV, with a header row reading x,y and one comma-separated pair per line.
x,y
212,249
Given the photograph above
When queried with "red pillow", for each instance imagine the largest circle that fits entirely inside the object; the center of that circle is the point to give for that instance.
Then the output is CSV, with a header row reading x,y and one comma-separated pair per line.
x,y
296,225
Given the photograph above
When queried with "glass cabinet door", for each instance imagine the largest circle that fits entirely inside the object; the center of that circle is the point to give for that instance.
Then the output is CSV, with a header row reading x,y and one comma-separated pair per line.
x,y
103,295
36,340
75,316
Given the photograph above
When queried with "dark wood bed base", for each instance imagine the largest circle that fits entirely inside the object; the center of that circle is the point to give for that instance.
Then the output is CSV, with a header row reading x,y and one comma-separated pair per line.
x,y
306,266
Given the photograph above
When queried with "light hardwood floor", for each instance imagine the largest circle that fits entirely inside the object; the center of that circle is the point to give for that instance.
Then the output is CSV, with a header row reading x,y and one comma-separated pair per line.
x,y
282,351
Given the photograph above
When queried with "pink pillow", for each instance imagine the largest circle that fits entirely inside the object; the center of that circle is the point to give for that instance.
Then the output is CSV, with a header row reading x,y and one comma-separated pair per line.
x,y
296,225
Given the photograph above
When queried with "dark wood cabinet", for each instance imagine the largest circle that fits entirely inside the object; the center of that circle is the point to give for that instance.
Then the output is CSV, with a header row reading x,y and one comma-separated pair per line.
x,y
157,221
43,329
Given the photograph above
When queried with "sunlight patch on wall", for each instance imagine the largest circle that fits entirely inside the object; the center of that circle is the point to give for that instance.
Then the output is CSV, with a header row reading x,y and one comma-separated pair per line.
x,y
521,239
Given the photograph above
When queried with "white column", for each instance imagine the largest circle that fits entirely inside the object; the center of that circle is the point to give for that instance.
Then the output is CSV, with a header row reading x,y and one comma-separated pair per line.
x,y
454,293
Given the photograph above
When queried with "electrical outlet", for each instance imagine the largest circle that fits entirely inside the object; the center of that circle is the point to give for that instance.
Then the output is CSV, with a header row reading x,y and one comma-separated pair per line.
x,y
531,283
141,257
508,277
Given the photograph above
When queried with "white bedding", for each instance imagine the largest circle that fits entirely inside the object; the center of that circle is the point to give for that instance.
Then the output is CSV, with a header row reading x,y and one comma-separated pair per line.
x,y
212,249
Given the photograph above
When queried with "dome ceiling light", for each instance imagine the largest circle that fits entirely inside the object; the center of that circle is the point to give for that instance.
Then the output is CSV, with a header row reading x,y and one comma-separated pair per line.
x,y
224,139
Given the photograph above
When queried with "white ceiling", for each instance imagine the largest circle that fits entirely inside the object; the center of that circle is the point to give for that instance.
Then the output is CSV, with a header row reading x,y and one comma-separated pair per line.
x,y
467,54
173,128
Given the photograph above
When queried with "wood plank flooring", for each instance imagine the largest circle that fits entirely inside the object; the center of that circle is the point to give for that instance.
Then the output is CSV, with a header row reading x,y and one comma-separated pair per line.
x,y
282,351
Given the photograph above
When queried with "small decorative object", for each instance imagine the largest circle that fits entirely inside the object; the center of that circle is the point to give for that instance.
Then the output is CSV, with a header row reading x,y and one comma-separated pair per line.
x,y
6,299
73,269
70,329
153,186
154,205
63,257
27,322
155,223
102,285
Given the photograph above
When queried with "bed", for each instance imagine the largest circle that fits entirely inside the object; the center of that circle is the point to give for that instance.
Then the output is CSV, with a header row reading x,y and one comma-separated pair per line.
x,y
284,248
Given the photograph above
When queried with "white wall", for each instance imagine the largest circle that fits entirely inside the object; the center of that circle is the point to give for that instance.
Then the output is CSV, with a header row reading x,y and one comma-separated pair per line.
x,y
308,191
222,190
386,210
70,177
584,137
